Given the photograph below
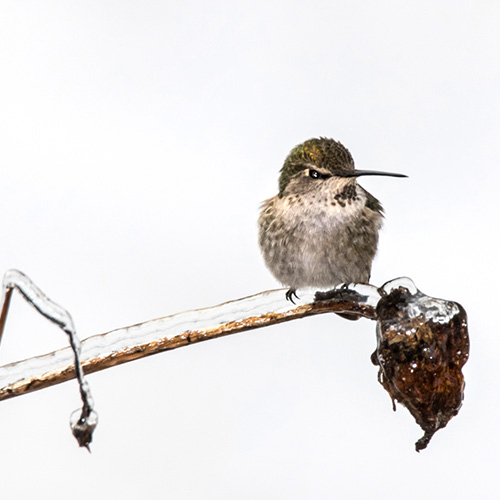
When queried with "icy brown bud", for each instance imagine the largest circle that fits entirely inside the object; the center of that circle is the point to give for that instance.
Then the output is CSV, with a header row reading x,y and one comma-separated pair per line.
x,y
422,345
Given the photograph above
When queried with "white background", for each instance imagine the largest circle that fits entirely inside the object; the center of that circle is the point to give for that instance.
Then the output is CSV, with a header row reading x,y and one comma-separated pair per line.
x,y
137,140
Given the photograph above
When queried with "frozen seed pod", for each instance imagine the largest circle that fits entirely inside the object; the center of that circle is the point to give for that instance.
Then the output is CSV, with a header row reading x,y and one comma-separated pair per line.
x,y
422,345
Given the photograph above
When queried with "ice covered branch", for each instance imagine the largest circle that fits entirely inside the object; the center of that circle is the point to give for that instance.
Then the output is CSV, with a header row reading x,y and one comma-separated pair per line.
x,y
84,421
137,341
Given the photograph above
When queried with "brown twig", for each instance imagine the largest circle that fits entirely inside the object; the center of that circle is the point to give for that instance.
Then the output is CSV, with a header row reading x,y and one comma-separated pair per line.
x,y
5,310
47,373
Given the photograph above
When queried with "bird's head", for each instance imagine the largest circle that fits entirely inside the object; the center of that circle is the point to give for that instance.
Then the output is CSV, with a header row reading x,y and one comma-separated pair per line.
x,y
317,161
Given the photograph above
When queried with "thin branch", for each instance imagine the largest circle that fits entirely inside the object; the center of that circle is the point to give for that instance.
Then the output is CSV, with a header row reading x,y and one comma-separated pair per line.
x,y
7,295
134,342
84,421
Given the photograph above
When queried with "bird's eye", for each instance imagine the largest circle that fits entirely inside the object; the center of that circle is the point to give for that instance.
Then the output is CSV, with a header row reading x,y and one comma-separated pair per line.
x,y
314,174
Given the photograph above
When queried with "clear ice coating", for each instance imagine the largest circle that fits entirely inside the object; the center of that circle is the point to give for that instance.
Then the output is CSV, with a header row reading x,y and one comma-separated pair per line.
x,y
84,424
34,296
168,328
437,310
394,284
422,345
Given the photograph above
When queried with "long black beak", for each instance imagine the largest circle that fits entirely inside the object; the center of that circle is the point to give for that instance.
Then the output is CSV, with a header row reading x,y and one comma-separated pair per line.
x,y
359,173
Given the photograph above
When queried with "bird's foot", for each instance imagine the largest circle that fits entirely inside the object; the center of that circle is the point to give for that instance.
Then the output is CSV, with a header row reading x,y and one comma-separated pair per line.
x,y
341,292
290,294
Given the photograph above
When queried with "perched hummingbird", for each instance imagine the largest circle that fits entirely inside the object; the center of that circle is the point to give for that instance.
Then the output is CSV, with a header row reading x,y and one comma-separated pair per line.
x,y
321,229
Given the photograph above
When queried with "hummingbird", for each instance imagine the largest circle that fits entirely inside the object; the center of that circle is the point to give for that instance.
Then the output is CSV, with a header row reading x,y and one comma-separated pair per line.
x,y
321,229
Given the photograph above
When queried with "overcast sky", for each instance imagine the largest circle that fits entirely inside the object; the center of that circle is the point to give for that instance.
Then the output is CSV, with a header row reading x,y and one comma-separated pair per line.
x,y
137,141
